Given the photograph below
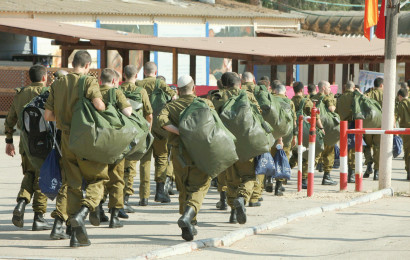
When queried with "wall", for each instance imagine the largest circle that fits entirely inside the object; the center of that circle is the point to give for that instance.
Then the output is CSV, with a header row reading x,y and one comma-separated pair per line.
x,y
13,44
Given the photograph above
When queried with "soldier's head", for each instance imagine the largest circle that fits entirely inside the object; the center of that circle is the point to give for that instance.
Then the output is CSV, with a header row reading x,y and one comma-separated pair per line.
x,y
108,77
82,61
404,85
150,69
233,81
350,86
185,85
378,83
275,83
224,79
38,73
324,87
311,89
247,77
130,73
298,88
266,79
280,89
402,93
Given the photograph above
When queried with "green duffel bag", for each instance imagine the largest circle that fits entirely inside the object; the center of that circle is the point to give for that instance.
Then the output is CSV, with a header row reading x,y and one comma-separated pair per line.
x,y
319,145
331,124
276,111
134,98
253,134
367,109
142,141
100,136
209,144
158,100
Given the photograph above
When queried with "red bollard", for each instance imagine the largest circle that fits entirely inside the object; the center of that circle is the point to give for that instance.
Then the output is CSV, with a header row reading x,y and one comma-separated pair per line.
x,y
311,156
358,155
300,152
343,156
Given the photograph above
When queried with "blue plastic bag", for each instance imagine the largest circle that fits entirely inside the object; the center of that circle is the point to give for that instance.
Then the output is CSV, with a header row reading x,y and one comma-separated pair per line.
x,y
264,164
336,163
50,180
282,167
397,145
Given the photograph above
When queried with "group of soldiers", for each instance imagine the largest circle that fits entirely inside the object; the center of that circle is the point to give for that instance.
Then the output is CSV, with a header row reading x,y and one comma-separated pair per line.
x,y
238,185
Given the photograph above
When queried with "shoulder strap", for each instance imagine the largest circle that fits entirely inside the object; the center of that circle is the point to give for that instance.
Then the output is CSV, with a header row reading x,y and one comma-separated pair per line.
x,y
81,83
157,82
112,96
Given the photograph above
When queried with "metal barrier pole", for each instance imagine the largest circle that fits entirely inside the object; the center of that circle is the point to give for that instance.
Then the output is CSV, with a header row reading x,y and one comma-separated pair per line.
x,y
343,156
300,152
311,156
358,155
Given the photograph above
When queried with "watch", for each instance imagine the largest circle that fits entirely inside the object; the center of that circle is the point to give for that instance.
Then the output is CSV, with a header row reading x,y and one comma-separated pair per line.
x,y
9,141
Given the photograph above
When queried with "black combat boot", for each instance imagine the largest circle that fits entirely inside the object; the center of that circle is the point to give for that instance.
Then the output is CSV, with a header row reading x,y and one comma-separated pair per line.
x,y
185,223
376,175
239,204
18,213
74,241
368,171
68,229
40,223
171,188
260,199
114,220
58,232
160,195
255,204
78,226
221,204
232,218
304,184
214,182
122,214
319,167
103,217
351,176
327,180
278,192
143,202
269,184
94,217
127,207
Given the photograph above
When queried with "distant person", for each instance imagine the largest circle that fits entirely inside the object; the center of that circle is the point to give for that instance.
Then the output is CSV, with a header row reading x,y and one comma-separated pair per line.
x,y
312,91
403,117
248,82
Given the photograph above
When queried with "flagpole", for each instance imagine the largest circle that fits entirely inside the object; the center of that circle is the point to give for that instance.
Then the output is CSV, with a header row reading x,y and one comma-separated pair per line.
x,y
386,143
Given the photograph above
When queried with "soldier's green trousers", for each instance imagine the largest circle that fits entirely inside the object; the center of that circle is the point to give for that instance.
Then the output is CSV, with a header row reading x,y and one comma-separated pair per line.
x,y
328,158
29,186
367,150
130,171
241,180
374,142
222,182
61,199
115,185
95,174
192,183
406,148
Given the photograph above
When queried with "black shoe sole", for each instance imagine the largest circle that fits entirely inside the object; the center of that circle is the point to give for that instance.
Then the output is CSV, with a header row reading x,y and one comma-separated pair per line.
x,y
254,204
187,232
329,183
95,218
240,212
80,231
18,218
80,244
269,189
129,209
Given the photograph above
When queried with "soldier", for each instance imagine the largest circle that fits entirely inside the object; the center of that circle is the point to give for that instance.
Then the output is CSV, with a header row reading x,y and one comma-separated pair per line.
x,y
159,147
343,108
328,154
248,82
311,88
130,76
403,116
374,140
60,105
29,185
192,183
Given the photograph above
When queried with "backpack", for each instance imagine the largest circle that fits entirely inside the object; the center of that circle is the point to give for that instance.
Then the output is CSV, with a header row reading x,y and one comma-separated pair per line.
x,y
158,98
203,135
37,133
276,111
243,120
134,98
367,109
331,123
319,146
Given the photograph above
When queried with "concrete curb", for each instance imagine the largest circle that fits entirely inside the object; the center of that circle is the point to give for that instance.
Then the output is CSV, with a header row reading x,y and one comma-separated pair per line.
x,y
237,235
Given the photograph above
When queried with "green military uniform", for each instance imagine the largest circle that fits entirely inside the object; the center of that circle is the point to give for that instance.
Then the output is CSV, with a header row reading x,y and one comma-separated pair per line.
x,y
403,116
115,186
344,109
159,147
241,177
62,99
306,110
29,186
373,140
249,86
192,183
130,167
61,199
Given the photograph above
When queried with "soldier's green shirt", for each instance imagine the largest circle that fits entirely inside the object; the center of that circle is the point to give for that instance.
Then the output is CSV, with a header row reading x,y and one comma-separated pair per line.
x,y
403,113
376,94
344,106
64,95
307,107
121,100
328,100
22,98
149,85
228,93
169,115
146,105
249,86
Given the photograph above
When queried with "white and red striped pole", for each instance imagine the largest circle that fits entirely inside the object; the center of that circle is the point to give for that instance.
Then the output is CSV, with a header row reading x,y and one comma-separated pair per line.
x,y
300,152
311,154
358,139
343,155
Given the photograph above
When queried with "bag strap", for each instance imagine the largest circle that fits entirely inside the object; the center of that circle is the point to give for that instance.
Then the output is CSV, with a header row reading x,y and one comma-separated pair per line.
x,y
81,83
157,82
112,96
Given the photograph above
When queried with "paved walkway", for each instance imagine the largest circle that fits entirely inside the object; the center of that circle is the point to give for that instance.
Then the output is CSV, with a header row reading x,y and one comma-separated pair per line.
x,y
154,227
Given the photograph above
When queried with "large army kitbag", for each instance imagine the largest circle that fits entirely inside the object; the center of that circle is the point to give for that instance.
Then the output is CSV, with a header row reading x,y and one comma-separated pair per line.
x,y
209,144
134,98
158,100
276,111
331,123
100,136
367,109
319,146
243,120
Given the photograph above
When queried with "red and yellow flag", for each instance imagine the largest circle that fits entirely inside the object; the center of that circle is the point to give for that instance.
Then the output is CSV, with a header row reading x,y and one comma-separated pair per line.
x,y
370,16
